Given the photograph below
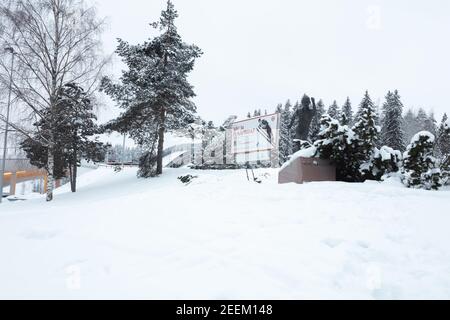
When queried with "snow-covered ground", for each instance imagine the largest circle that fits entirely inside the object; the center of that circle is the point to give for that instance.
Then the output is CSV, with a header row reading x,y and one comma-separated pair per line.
x,y
223,237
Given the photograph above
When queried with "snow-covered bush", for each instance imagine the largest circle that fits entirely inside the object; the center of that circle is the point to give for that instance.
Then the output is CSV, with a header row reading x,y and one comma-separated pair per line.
x,y
187,179
303,144
443,149
338,144
147,165
445,170
383,162
420,169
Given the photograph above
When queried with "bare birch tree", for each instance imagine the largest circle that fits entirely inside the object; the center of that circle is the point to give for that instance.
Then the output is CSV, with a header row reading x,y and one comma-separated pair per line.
x,y
55,42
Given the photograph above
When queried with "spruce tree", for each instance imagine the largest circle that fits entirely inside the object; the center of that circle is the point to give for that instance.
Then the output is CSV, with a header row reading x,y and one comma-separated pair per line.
x,y
279,108
410,125
347,113
365,128
392,126
155,91
443,148
293,129
430,124
315,124
420,166
421,120
443,143
285,132
333,111
75,123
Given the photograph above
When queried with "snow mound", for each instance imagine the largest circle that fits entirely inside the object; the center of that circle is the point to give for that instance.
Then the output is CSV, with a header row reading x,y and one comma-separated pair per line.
x,y
305,153
224,237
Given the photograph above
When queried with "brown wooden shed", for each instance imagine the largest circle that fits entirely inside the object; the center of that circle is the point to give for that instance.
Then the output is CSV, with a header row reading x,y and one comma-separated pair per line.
x,y
302,170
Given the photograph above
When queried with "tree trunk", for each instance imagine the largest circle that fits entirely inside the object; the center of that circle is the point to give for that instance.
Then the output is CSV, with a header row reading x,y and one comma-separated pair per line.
x,y
50,179
159,156
71,177
74,170
74,178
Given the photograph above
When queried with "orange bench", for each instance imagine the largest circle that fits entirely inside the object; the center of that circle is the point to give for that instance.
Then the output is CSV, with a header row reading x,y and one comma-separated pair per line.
x,y
12,178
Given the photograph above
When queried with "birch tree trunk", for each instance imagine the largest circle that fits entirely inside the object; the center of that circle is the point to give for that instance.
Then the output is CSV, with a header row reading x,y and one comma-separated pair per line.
x,y
50,178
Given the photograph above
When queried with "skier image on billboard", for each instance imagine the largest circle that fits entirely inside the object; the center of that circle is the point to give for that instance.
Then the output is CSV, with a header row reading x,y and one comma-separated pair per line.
x,y
266,129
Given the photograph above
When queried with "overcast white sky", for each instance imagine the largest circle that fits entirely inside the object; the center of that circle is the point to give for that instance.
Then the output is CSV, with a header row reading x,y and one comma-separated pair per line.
x,y
258,53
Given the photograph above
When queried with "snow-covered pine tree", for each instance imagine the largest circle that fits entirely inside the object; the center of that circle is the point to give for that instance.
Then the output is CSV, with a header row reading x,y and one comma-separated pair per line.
x,y
285,133
333,111
443,143
293,129
75,124
155,91
420,168
392,127
421,120
367,101
315,124
366,129
430,124
337,143
443,148
347,113
410,125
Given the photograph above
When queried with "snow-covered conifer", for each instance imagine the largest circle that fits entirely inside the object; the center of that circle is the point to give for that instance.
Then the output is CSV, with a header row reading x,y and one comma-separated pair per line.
x,y
347,113
392,127
285,133
74,122
315,124
443,143
155,91
410,125
365,129
382,162
421,118
420,169
430,124
337,143
333,111
443,148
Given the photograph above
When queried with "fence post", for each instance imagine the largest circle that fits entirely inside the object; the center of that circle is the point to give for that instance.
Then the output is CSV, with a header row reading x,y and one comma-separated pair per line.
x,y
12,184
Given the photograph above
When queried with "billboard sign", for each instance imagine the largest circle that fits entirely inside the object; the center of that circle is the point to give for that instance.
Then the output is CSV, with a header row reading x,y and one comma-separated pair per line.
x,y
255,139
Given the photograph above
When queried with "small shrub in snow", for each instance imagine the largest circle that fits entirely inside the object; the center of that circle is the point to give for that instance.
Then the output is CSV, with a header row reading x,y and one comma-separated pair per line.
x,y
383,162
187,179
420,168
303,144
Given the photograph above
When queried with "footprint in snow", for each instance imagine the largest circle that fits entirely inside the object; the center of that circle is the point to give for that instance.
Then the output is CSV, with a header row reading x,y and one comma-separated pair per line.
x,y
363,244
332,243
39,234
